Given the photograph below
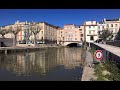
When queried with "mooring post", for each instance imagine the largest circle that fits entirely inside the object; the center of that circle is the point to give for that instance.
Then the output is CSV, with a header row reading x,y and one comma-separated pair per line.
x,y
6,51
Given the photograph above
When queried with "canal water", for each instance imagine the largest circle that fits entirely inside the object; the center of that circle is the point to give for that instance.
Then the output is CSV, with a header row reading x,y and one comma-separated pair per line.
x,y
49,64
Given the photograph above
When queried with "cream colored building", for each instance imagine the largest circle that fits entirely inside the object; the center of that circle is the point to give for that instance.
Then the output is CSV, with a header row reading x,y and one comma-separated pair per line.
x,y
48,33
82,35
8,35
112,25
91,31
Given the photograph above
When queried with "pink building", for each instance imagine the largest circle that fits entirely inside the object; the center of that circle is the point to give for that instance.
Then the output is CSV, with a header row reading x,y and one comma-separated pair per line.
x,y
70,33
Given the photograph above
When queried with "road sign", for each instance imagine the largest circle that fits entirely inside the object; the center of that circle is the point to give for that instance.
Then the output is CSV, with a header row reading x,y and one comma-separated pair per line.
x,y
98,55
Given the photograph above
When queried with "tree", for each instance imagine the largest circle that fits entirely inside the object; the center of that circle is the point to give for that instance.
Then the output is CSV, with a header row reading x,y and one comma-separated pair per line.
x,y
117,37
106,35
35,29
3,32
27,36
15,30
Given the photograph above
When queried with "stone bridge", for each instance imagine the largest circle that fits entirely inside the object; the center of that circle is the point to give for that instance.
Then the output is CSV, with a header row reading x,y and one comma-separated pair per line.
x,y
65,43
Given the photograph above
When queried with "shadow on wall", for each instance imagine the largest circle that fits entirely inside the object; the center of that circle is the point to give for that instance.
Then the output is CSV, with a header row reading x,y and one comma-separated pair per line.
x,y
6,42
2,44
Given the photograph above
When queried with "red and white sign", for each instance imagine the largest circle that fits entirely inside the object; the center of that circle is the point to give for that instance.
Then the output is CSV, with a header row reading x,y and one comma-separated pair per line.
x,y
98,55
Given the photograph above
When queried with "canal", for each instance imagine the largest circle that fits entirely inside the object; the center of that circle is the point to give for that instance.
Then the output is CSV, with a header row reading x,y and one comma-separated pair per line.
x,y
49,64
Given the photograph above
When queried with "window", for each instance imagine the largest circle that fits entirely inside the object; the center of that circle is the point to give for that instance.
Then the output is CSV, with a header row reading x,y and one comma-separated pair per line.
x,y
102,27
69,35
81,35
111,25
75,34
98,27
75,31
93,32
89,32
89,26
75,38
80,29
107,25
42,32
115,25
61,35
61,31
91,38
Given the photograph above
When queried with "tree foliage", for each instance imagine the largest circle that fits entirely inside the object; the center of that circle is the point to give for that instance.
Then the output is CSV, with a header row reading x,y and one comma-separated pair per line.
x,y
106,35
117,37
3,32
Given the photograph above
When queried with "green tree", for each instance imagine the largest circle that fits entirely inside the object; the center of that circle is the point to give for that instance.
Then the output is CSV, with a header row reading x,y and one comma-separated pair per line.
x,y
106,35
117,37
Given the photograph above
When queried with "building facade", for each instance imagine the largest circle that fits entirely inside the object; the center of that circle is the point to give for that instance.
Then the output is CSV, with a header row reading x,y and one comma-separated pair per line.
x,y
112,25
91,31
48,33
71,33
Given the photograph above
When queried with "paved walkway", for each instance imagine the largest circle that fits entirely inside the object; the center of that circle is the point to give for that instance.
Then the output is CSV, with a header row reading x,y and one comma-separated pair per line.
x,y
113,49
88,71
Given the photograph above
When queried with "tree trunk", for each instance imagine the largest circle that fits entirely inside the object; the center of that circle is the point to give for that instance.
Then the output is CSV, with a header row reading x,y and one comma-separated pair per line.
x,y
34,39
3,36
14,40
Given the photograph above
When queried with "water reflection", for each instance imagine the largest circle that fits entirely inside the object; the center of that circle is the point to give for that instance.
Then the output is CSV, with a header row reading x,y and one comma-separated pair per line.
x,y
46,64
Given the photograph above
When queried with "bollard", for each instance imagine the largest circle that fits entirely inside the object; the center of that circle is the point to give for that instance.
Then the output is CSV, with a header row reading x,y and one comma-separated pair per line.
x,y
6,51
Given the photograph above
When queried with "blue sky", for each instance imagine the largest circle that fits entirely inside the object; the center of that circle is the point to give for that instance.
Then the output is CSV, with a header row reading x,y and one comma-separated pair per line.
x,y
57,17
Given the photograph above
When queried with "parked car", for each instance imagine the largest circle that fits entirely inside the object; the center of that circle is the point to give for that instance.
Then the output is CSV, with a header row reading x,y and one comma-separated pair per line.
x,y
40,42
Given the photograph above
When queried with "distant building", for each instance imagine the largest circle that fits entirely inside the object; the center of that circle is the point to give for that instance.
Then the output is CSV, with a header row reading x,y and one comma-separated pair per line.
x,y
71,33
112,25
91,31
48,33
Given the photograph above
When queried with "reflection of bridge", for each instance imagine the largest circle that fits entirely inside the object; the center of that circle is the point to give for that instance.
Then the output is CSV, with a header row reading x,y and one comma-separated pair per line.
x,y
70,42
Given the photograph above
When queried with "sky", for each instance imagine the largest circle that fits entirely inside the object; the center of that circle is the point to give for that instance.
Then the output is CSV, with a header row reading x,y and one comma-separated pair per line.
x,y
57,17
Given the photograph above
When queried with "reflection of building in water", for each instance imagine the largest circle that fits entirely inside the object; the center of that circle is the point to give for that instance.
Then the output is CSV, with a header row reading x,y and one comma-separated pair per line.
x,y
51,58
42,61
70,58
24,64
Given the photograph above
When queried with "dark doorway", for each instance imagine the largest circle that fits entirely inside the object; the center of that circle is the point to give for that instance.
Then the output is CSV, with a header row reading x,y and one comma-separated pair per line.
x,y
91,38
2,44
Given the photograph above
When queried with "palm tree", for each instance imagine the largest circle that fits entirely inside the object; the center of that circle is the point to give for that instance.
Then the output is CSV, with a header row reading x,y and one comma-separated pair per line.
x,y
15,30
35,29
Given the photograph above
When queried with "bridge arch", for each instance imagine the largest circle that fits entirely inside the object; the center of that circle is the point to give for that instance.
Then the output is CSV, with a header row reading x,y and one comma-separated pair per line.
x,y
71,43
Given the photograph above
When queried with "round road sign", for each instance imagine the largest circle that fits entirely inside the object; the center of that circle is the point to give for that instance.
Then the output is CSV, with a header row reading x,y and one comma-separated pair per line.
x,y
98,55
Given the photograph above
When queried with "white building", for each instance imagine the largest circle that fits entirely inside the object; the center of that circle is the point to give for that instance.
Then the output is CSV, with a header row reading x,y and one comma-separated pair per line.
x,y
112,25
91,31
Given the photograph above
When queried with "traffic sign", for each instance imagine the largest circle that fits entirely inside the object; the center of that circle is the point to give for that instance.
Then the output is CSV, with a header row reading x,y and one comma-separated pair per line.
x,y
98,55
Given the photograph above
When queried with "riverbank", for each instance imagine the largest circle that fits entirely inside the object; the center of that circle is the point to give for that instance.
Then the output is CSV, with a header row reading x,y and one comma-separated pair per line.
x,y
88,70
6,50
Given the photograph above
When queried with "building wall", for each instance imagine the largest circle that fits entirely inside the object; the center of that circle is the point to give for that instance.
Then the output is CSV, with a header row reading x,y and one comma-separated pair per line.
x,y
112,25
48,32
82,35
71,33
91,30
